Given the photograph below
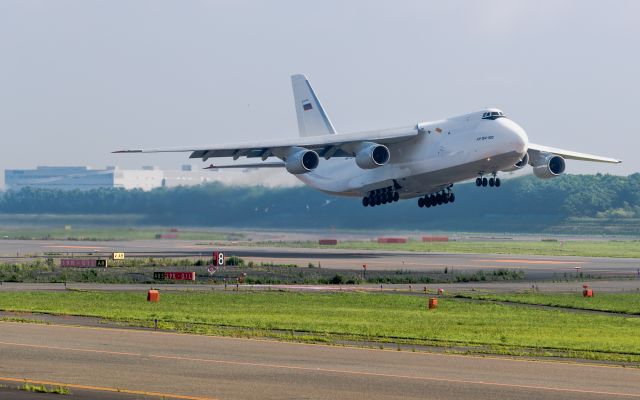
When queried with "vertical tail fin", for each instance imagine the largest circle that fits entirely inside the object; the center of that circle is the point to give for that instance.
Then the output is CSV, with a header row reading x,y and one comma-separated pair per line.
x,y
312,120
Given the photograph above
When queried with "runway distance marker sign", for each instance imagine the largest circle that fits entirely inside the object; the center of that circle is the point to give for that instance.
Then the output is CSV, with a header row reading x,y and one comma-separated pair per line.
x,y
175,276
83,263
218,259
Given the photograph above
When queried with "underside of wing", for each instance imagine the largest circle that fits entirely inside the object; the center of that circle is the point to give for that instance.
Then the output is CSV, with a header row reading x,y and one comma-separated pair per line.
x,y
536,150
326,146
251,165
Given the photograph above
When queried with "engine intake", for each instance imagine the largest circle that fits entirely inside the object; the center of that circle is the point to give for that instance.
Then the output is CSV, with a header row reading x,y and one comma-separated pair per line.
x,y
302,161
550,167
372,155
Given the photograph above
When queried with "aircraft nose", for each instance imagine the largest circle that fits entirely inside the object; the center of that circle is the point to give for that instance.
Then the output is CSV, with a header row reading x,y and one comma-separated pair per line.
x,y
518,137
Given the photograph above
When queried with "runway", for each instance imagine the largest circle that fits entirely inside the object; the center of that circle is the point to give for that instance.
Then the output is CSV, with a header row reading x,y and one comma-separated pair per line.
x,y
534,267
226,368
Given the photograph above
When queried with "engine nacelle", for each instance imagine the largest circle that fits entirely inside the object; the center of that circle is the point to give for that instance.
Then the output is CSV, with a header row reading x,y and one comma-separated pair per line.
x,y
302,161
372,155
550,167
519,165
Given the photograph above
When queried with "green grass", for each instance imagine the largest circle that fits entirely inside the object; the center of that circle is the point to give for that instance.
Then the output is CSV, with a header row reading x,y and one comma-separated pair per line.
x,y
377,317
44,389
625,249
106,233
628,303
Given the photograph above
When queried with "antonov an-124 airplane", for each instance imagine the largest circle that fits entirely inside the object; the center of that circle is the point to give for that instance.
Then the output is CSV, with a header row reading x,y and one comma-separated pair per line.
x,y
422,160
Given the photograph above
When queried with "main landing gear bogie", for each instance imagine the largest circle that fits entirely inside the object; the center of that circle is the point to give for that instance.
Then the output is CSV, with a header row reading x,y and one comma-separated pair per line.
x,y
436,199
380,196
492,182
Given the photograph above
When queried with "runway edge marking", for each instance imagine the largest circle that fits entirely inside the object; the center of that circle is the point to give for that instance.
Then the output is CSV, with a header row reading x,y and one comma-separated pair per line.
x,y
105,389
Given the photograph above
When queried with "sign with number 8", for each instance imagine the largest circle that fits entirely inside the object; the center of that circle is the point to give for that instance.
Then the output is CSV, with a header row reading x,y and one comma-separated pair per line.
x,y
218,259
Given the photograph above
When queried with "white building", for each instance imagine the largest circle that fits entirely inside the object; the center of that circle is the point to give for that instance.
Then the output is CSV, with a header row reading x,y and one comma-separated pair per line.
x,y
269,177
147,178
83,178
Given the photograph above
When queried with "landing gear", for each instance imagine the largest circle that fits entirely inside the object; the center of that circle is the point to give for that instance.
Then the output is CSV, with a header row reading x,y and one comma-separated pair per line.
x,y
381,196
436,199
492,182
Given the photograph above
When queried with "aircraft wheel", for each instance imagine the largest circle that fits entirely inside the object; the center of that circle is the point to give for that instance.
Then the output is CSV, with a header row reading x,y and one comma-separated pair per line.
x,y
492,182
420,202
439,199
433,200
452,197
396,196
365,201
378,200
497,182
445,198
484,182
389,197
478,182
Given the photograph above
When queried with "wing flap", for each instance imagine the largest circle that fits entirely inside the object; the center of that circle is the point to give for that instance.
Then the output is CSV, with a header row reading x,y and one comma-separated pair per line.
x,y
568,154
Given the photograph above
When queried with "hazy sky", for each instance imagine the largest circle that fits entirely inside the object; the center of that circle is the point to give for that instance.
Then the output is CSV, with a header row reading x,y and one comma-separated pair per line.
x,y
79,79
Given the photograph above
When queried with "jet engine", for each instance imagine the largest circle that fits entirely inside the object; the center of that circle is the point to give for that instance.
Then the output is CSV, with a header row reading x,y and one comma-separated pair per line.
x,y
302,161
519,165
549,166
372,155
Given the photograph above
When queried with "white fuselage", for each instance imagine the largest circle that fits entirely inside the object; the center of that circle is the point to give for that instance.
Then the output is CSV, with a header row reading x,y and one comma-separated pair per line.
x,y
446,152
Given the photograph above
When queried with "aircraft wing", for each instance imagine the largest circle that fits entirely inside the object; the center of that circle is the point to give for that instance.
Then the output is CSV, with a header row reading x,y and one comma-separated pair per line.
x,y
325,145
535,150
253,165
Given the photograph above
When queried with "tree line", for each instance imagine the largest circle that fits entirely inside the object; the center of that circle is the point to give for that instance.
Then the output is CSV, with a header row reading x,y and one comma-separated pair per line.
x,y
520,204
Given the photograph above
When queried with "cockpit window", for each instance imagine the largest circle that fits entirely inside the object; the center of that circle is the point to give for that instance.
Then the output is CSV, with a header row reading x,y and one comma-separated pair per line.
x,y
493,115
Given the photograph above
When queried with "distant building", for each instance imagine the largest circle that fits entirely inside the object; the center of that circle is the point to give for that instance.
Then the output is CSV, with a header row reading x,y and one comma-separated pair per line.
x,y
83,178
147,178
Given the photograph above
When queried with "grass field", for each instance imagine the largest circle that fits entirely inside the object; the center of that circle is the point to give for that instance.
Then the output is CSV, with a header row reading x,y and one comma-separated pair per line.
x,y
459,324
628,303
106,233
625,249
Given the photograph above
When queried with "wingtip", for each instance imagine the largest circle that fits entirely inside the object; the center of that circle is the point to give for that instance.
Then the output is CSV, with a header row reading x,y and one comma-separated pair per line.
x,y
126,151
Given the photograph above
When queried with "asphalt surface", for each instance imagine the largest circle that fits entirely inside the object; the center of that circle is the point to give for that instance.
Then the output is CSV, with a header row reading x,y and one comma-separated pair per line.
x,y
534,267
226,368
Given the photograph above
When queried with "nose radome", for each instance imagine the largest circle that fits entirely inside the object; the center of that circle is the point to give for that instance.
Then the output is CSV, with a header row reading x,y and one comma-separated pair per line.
x,y
519,139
